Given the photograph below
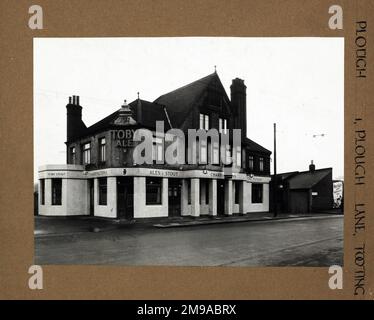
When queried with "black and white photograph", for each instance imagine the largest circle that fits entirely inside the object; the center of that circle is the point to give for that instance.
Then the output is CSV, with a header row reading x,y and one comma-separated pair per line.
x,y
189,151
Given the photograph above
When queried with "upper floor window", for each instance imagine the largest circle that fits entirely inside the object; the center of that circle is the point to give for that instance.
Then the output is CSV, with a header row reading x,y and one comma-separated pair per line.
x,y
250,162
238,157
87,153
157,149
56,192
204,121
222,125
102,154
261,164
202,152
213,152
228,154
73,155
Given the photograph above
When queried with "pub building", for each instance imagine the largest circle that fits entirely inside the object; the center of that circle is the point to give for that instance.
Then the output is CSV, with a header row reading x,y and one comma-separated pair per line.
x,y
101,178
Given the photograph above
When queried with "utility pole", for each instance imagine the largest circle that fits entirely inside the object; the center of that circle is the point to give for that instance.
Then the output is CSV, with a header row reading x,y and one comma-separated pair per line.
x,y
275,183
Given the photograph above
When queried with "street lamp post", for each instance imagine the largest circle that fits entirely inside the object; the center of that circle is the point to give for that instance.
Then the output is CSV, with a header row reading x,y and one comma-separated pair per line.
x,y
275,184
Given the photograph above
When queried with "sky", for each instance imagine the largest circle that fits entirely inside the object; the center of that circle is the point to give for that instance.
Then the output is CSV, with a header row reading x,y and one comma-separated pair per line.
x,y
297,83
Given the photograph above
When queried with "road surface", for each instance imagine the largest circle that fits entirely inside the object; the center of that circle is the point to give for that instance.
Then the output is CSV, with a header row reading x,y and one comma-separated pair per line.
x,y
288,242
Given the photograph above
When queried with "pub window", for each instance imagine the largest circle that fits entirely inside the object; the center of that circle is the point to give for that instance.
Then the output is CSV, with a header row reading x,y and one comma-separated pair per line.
x,y
157,149
202,152
206,191
238,157
189,190
87,153
212,151
250,162
42,191
237,191
56,192
257,193
73,155
215,153
102,155
153,190
261,163
222,125
204,121
228,154
103,191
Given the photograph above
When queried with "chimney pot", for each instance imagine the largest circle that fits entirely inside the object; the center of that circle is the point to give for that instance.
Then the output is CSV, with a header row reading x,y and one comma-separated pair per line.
x,y
77,100
312,167
69,100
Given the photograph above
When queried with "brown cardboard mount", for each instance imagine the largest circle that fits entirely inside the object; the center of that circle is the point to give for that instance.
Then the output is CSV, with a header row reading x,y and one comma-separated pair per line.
x,y
115,18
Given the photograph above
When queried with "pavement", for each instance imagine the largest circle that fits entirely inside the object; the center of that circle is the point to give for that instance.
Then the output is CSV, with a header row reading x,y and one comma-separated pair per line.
x,y
313,240
49,226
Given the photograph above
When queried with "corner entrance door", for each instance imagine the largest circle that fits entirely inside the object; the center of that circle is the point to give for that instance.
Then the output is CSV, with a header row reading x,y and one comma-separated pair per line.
x,y
125,198
91,195
220,197
174,194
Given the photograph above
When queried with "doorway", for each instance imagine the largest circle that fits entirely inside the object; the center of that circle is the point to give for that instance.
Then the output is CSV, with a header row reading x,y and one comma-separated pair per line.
x,y
91,197
220,197
125,198
300,201
174,194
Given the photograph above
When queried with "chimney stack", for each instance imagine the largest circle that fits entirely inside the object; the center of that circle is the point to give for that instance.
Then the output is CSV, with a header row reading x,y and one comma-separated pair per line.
x,y
75,125
312,167
239,105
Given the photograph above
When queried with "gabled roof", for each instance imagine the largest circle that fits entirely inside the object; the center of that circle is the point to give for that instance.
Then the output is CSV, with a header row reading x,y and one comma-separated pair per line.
x,y
180,101
285,175
255,147
102,124
307,179
174,106
151,112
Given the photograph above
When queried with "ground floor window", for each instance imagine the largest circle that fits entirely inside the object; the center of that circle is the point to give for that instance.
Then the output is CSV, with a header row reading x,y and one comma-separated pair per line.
x,y
206,191
153,191
42,191
103,187
237,191
56,192
257,192
189,190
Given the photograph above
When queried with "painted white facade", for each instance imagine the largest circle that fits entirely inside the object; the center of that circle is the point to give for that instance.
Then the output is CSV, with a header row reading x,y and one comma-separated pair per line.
x,y
141,210
75,192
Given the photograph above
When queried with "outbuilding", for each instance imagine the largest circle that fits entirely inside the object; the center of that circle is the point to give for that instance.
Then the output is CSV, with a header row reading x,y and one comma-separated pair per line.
x,y
305,191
